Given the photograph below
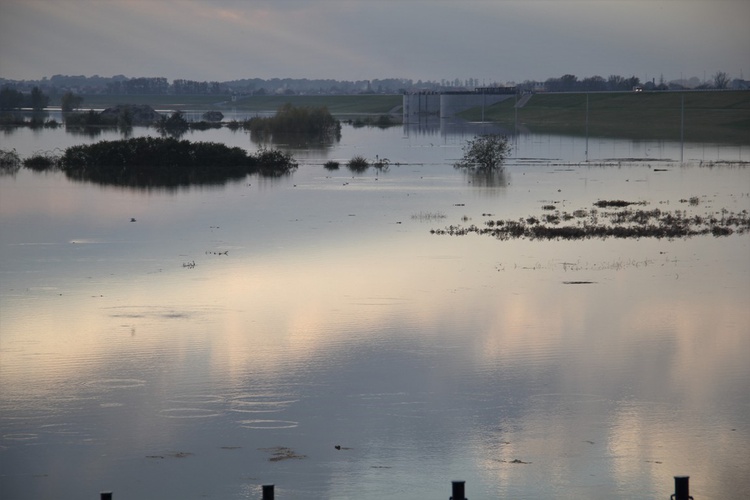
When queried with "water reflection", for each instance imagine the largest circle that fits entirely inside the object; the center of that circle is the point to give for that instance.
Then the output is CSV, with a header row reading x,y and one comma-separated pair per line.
x,y
335,318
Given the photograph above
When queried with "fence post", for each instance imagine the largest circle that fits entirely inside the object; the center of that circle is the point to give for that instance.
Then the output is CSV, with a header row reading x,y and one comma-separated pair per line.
x,y
458,490
681,488
105,495
267,492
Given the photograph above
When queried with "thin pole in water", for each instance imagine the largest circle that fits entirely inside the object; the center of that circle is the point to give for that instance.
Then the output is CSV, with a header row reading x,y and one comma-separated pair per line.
x,y
587,126
682,127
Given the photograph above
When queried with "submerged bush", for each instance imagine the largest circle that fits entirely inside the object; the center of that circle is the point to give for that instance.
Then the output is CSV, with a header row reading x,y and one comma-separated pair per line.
x,y
89,119
314,123
42,161
150,161
175,125
10,163
484,153
382,121
272,162
358,164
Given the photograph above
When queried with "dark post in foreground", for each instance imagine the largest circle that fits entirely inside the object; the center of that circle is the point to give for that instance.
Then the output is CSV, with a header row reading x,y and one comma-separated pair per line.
x,y
681,488
105,495
458,490
267,492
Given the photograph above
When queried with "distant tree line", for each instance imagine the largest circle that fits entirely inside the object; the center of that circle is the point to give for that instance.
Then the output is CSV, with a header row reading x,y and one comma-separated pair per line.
x,y
36,99
613,83
14,99
122,85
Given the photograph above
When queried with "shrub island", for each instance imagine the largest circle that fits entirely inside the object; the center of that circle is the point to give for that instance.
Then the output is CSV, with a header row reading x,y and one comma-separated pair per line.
x,y
166,161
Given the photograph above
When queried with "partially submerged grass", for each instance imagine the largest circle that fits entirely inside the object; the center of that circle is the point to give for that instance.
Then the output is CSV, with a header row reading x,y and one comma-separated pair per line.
x,y
428,216
616,203
358,164
619,223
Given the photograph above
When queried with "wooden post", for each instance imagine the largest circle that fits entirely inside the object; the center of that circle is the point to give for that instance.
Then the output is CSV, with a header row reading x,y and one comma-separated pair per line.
x,y
267,492
105,495
681,488
458,490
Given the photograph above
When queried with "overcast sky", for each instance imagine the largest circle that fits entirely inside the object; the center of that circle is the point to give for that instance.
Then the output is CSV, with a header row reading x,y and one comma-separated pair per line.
x,y
492,40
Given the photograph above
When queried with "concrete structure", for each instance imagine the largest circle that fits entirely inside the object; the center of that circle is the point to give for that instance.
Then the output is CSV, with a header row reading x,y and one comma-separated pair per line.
x,y
419,105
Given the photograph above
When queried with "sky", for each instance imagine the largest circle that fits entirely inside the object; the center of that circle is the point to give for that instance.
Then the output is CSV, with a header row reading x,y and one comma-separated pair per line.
x,y
492,40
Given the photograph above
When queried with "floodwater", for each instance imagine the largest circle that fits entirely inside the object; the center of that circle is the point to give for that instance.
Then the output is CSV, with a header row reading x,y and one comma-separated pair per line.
x,y
233,336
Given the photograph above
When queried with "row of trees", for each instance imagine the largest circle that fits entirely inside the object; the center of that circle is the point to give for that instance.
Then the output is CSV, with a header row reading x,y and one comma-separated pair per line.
x,y
36,100
120,84
14,99
571,83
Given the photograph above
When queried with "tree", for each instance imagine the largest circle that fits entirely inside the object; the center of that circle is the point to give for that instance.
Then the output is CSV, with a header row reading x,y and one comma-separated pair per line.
x,y
615,82
721,80
70,101
10,98
631,82
39,99
484,153
594,84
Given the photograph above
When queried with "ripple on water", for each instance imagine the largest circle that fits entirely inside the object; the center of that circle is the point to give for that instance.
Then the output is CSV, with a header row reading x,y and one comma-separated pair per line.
x,y
267,424
261,403
116,383
189,413
198,399
21,436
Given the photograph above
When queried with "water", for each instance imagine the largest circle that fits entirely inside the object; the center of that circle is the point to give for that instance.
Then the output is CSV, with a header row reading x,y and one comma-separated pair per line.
x,y
321,311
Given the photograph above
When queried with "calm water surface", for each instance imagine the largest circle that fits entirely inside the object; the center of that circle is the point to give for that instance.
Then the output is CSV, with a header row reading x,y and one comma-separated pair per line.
x,y
320,311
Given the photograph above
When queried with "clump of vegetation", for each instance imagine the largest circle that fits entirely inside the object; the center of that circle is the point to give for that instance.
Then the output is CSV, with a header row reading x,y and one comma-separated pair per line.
x,y
382,121
428,216
10,162
89,119
312,123
381,164
213,116
69,101
150,161
175,125
42,161
273,162
204,125
485,153
627,223
358,164
616,203
331,165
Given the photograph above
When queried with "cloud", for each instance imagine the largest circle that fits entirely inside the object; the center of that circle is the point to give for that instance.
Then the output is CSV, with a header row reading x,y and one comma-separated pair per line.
x,y
360,39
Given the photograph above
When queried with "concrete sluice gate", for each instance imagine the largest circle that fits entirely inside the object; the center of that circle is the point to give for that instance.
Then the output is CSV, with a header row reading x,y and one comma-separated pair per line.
x,y
446,105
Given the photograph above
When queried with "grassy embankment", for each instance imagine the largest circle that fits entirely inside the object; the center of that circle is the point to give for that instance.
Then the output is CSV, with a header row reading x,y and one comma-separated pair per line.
x,y
709,116
340,105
